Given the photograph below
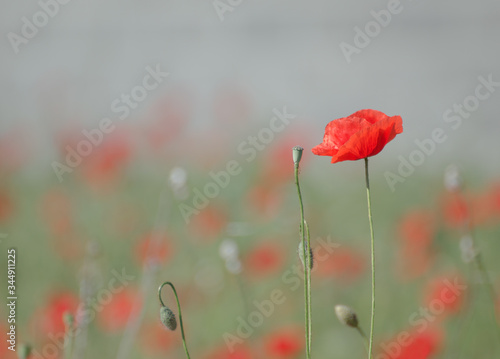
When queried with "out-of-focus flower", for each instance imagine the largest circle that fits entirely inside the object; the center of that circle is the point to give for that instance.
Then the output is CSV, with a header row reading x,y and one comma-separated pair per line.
x,y
153,246
207,225
453,181
265,258
49,318
417,345
415,233
343,264
265,200
106,162
114,314
455,210
360,135
284,343
445,295
228,251
169,117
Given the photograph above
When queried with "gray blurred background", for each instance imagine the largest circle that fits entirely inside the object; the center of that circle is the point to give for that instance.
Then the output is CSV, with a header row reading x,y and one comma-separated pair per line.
x,y
257,56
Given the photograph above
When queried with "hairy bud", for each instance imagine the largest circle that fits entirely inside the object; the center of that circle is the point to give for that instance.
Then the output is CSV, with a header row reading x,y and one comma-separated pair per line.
x,y
167,317
346,315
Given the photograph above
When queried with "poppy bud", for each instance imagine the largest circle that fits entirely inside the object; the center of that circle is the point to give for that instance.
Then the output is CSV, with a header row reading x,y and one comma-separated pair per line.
x,y
167,317
301,255
346,315
297,154
24,351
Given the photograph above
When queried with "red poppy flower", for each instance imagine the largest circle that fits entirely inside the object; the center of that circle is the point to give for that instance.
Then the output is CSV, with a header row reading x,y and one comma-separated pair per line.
x,y
284,343
362,134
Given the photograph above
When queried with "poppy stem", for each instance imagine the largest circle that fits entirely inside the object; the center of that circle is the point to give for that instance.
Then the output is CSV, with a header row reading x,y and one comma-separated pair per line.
x,y
307,267
180,313
372,321
365,338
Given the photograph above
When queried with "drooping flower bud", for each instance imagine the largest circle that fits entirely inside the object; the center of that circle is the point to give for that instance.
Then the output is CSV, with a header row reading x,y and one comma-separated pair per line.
x,y
300,250
167,317
297,154
346,315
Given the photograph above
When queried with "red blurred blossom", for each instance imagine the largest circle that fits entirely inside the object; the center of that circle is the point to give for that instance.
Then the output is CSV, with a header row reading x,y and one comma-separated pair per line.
x,y
344,264
116,312
415,233
169,115
265,258
107,161
209,223
49,318
238,352
445,295
360,135
455,209
284,343
6,206
155,339
414,345
265,200
155,246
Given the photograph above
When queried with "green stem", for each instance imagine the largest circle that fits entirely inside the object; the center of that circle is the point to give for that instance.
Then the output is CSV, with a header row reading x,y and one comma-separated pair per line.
x,y
309,265
180,313
365,338
305,248
372,321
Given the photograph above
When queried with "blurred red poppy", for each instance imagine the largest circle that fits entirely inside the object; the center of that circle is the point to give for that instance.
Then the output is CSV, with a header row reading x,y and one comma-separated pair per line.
x,y
362,134
156,247
445,295
209,223
115,314
416,234
265,258
344,264
49,319
455,210
416,345
284,343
